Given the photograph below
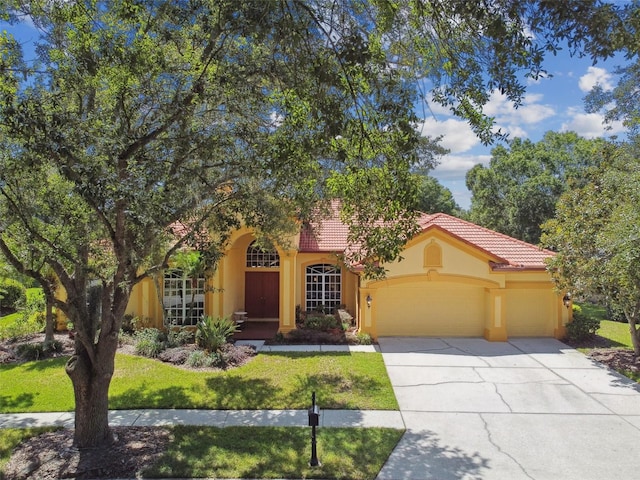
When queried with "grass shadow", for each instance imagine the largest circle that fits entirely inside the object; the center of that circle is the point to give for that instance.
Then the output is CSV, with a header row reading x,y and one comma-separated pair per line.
x,y
234,392
13,403
595,341
146,396
41,365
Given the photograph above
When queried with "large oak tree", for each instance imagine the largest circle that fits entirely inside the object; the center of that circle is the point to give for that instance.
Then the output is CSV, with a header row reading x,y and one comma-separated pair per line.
x,y
138,114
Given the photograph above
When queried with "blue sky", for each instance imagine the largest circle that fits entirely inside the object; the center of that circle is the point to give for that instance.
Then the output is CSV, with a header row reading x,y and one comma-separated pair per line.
x,y
555,103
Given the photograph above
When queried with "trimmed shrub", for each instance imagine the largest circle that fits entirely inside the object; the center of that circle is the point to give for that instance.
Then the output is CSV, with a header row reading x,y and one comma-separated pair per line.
x,y
615,313
31,351
321,322
12,294
299,335
53,346
234,355
327,338
582,327
149,342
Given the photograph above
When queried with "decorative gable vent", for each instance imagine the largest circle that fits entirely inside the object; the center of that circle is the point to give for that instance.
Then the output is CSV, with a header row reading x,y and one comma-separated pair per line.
x,y
433,255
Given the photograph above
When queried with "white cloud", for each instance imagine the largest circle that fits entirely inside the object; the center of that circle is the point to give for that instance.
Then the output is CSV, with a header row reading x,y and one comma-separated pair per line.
x,y
452,172
531,112
590,125
515,131
596,76
457,135
455,167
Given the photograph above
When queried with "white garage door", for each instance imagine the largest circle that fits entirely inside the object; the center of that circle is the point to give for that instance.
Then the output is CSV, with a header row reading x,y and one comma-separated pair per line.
x,y
430,309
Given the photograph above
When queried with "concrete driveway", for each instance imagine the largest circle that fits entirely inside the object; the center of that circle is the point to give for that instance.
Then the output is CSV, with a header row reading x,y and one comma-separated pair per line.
x,y
526,409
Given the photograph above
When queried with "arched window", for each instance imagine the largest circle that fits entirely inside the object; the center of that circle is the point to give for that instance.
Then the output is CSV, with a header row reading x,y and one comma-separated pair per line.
x,y
323,287
183,298
258,257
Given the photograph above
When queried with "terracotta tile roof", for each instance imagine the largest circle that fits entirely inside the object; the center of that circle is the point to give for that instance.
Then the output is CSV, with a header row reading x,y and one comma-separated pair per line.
x,y
330,235
509,253
326,234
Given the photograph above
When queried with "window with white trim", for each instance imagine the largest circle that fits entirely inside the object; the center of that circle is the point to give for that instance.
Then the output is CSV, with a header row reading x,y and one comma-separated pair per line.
x,y
323,287
183,298
258,257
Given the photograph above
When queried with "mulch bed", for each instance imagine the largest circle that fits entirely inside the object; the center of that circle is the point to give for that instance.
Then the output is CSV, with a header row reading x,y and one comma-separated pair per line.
x,y
617,359
52,456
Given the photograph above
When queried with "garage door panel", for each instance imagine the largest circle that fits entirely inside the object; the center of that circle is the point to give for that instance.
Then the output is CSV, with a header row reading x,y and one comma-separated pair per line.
x,y
529,313
430,310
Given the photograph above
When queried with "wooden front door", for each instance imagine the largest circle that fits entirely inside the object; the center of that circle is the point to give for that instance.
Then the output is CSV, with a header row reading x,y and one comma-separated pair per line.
x,y
262,294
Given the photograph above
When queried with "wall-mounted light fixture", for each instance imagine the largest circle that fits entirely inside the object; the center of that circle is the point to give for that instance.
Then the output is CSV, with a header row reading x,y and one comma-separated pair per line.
x,y
369,299
566,300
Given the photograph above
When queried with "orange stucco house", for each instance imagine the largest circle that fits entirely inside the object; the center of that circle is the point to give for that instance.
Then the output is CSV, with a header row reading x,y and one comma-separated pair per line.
x,y
456,279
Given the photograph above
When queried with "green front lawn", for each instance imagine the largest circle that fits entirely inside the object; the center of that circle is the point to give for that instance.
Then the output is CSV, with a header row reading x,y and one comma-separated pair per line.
x,y
270,452
269,381
257,452
617,333
610,333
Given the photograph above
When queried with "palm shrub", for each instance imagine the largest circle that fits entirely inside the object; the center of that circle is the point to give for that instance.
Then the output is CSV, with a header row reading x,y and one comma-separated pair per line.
x,y
214,332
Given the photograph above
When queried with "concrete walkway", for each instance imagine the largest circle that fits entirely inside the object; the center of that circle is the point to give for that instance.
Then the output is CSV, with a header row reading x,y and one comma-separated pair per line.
x,y
525,409
214,418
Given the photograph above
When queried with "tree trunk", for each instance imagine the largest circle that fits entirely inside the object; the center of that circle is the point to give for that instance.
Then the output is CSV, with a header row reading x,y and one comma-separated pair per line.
x,y
635,335
91,389
49,324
